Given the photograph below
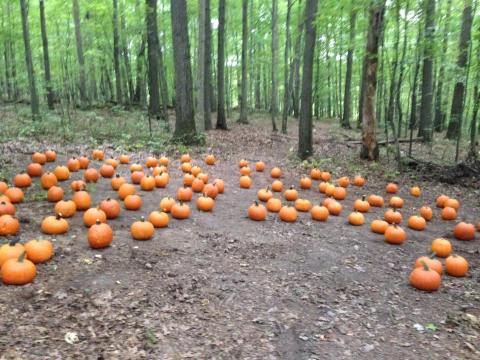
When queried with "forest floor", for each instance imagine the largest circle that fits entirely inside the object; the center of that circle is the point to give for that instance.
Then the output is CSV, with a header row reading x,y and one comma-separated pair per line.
x,y
222,286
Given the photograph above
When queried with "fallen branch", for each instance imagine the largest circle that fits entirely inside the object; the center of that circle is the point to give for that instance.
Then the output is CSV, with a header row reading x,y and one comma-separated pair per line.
x,y
384,142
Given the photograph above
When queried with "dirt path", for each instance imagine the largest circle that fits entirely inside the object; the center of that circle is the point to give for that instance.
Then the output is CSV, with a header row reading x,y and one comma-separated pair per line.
x,y
221,286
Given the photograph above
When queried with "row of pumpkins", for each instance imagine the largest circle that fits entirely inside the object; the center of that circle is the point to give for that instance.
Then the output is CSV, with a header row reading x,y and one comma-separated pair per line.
x,y
17,261
427,270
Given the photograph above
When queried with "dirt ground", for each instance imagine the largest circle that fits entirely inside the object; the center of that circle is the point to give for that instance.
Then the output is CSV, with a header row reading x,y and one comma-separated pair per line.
x,y
219,286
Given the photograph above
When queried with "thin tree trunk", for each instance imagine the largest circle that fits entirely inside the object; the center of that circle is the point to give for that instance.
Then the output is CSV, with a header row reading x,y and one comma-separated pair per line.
x,y
80,56
28,60
185,130
129,91
370,149
137,97
221,120
347,100
286,67
413,100
274,105
46,58
243,97
305,148
401,74
116,54
426,108
456,112
204,64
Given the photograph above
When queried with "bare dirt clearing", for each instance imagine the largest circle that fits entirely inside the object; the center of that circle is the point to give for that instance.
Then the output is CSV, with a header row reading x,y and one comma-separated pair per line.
x,y
222,286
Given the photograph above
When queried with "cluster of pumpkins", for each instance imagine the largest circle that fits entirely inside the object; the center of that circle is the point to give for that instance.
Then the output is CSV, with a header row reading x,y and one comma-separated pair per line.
x,y
427,271
17,261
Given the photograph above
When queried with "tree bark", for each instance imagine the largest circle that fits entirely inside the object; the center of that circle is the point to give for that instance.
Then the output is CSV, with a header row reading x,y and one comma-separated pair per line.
x,y
116,55
456,112
305,148
204,64
46,57
274,98
221,119
286,60
401,75
369,136
129,87
185,130
243,97
347,99
426,108
80,56
139,86
28,60
154,109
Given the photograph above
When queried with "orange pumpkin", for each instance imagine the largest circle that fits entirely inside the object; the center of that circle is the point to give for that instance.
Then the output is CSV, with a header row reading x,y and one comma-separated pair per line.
x,y
92,215
48,180
107,171
277,186
162,180
18,271
376,200
356,218
415,191
441,200
6,207
84,162
453,203
425,279
416,222
9,225
464,231
448,213
316,174
245,182
185,158
22,180
211,191
195,170
361,205
39,251
433,264
133,202
136,167
100,235
4,186
40,158
395,235
112,162
34,170
117,181
137,177
220,184
180,211
151,162
186,167
379,226
67,208
91,175
11,250
124,159
15,195
276,172
456,265
54,225
55,194
426,212
303,205
184,194
257,212
197,185
358,181
319,213
62,173
259,166
159,219
82,200
326,176
166,204
164,161
242,163
391,188
111,208
147,183
264,194
50,155
392,216
98,154
396,202
288,214
334,207
73,164
125,190
305,183
441,247
142,230
78,185
274,205
210,159
291,194
344,181
205,203
339,193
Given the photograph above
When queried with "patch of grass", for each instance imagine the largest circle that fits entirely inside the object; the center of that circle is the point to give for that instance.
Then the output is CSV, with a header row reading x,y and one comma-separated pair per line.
x,y
36,195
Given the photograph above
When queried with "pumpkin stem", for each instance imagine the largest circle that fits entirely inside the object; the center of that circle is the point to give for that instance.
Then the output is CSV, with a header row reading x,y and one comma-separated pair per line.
x,y
256,203
58,216
97,222
363,197
425,266
142,218
22,256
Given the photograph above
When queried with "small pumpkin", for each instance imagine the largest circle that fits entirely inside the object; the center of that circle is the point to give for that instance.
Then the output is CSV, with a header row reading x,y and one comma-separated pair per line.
x,y
197,185
186,167
142,230
4,186
100,235
162,180
136,167
50,155
18,271
276,172
291,194
159,219
316,174
260,166
22,180
62,173
34,170
416,222
133,202
9,225
82,200
277,186
98,154
78,185
329,189
242,163
166,204
322,187
124,159
91,175
39,251
245,182
433,264
441,200
55,194
257,212
196,170
92,215
449,213
107,171
210,159
84,162
67,208
456,265
453,203
147,183
274,205
334,208
185,158
15,195
180,211
220,185
184,194
151,162
203,176
117,181
464,231
356,218
426,212
73,164
424,278
326,176
125,190
392,216
361,205
264,194
303,205
111,208
396,202
211,191
40,158
415,191
164,161
376,200
344,181
379,226
6,207
137,177
441,247
391,188
319,213
339,193
395,235
205,203
55,225
112,162
358,181
305,183
288,214
12,250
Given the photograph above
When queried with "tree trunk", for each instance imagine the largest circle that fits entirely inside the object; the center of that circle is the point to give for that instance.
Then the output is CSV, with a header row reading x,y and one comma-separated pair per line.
x,y
129,87
413,100
154,109
375,27
46,58
361,90
221,119
137,97
243,97
347,99
80,57
456,112
305,148
204,64
185,131
274,103
116,54
398,89
426,108
286,60
28,60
